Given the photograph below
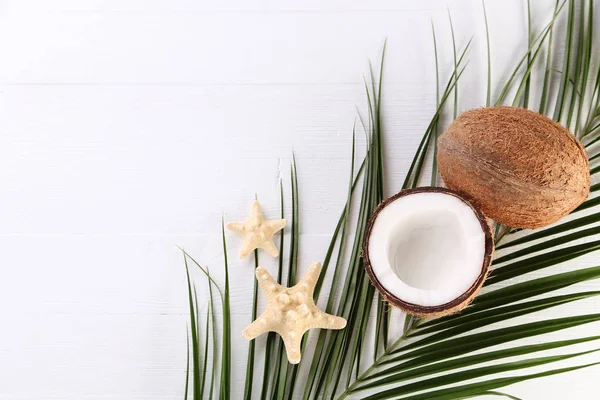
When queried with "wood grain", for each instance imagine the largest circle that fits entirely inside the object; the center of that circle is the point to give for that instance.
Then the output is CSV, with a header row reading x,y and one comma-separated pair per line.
x,y
129,127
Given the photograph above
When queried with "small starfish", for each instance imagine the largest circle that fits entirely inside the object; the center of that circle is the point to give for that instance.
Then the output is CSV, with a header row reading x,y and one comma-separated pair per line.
x,y
291,311
257,232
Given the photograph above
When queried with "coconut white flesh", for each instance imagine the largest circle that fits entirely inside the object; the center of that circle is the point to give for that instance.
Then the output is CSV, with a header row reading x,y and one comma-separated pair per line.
x,y
427,248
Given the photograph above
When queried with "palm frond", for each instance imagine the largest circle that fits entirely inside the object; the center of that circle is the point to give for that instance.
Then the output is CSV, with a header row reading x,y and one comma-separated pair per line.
x,y
194,334
252,343
436,130
487,336
488,97
548,69
479,388
270,347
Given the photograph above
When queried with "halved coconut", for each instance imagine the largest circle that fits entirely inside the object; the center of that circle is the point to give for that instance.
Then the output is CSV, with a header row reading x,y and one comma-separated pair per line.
x,y
428,251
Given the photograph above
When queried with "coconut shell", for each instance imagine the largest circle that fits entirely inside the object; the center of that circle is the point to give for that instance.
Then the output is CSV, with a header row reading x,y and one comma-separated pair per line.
x,y
521,168
458,303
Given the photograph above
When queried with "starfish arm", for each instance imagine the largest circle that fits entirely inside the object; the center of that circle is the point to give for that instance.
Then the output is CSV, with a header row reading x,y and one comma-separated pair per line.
x,y
256,210
266,281
291,340
237,227
247,248
328,321
276,225
270,248
309,280
258,327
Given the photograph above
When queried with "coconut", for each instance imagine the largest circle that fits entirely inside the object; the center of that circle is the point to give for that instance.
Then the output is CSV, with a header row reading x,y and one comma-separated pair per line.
x,y
428,251
521,168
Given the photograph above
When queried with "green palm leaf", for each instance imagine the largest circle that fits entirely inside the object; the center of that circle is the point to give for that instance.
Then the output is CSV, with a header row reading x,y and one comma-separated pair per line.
x,y
391,374
408,366
481,388
474,373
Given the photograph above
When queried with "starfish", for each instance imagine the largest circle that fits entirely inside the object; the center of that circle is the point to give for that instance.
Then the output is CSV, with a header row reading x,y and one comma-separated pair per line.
x,y
257,232
291,311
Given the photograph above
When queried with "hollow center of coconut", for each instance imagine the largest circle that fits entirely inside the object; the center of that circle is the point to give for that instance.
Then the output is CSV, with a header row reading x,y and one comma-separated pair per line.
x,y
427,248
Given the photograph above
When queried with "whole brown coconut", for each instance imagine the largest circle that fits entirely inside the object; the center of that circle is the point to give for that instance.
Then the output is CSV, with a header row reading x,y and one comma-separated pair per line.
x,y
521,168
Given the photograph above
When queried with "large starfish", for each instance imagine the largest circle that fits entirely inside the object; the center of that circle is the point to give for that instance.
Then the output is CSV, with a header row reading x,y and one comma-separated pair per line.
x,y
257,232
291,311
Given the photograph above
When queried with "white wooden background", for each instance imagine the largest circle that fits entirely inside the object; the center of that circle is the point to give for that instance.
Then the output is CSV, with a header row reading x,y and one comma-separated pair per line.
x,y
127,127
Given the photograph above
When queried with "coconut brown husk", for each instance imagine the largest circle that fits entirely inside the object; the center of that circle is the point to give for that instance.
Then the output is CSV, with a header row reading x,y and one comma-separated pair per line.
x,y
458,303
521,168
